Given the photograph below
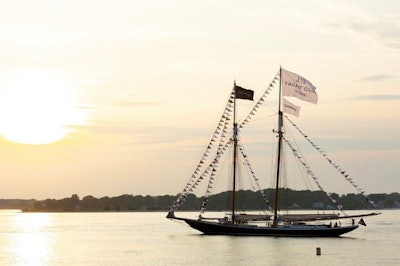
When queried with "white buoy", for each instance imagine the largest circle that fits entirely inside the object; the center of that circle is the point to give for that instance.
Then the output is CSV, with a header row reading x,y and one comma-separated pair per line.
x,y
319,251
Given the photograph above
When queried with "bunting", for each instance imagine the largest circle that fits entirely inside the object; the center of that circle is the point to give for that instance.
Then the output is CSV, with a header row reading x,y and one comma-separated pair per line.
x,y
247,162
336,166
310,173
207,168
220,143
258,103
204,170
201,171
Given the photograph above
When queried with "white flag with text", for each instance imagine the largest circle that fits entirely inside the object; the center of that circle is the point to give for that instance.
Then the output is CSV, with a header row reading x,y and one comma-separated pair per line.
x,y
296,86
290,108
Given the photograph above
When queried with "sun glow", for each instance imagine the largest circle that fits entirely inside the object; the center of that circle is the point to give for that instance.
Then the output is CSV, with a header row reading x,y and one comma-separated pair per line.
x,y
31,242
36,108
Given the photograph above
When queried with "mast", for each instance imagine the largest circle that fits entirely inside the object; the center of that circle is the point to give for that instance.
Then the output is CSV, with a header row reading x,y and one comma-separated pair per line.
x,y
280,125
235,133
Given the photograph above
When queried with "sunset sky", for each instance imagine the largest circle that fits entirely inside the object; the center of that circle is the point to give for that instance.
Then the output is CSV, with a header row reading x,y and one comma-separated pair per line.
x,y
129,92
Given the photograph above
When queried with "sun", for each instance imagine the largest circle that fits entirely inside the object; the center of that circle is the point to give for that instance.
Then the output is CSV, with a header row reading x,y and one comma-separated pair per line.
x,y
36,107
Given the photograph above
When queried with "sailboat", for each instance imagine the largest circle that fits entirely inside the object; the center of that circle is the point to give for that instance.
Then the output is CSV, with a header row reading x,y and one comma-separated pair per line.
x,y
273,222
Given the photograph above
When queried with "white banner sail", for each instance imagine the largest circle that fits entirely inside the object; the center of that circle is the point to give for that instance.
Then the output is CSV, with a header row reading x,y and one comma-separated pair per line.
x,y
296,86
290,108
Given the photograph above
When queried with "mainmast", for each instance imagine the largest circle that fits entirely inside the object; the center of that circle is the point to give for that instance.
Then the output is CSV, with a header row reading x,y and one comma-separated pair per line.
x,y
235,134
278,166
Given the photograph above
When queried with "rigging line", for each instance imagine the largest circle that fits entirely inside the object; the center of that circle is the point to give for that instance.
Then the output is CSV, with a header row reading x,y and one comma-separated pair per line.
x,y
335,165
194,180
258,103
213,172
216,135
239,179
305,177
213,167
262,118
273,164
312,175
248,118
249,167
283,170
223,122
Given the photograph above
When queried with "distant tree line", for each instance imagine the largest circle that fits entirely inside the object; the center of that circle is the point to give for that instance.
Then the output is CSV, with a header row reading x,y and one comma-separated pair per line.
x,y
246,200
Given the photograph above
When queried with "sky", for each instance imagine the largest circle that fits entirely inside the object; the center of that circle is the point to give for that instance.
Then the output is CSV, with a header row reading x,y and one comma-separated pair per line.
x,y
105,98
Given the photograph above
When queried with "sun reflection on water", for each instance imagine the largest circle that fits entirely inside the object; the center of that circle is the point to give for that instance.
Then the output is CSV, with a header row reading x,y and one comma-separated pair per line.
x,y
31,240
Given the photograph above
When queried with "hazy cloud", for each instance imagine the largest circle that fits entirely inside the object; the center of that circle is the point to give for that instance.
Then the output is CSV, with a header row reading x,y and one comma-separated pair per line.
x,y
378,97
165,135
383,29
348,143
135,104
376,78
92,81
103,128
142,135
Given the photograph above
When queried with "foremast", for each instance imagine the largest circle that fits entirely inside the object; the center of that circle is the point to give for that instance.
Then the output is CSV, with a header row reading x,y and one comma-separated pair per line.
x,y
239,93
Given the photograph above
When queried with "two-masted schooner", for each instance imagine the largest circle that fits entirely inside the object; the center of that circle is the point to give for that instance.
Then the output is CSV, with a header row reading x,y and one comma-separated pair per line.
x,y
273,223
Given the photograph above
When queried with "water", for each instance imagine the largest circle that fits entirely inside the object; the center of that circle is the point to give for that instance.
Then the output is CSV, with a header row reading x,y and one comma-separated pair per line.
x,y
150,239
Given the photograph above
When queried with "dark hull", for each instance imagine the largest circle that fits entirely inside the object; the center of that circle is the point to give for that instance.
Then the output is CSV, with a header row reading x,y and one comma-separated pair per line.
x,y
211,228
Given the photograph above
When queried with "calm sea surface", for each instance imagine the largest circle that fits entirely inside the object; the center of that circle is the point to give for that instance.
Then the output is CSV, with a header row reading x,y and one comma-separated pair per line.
x,y
151,239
